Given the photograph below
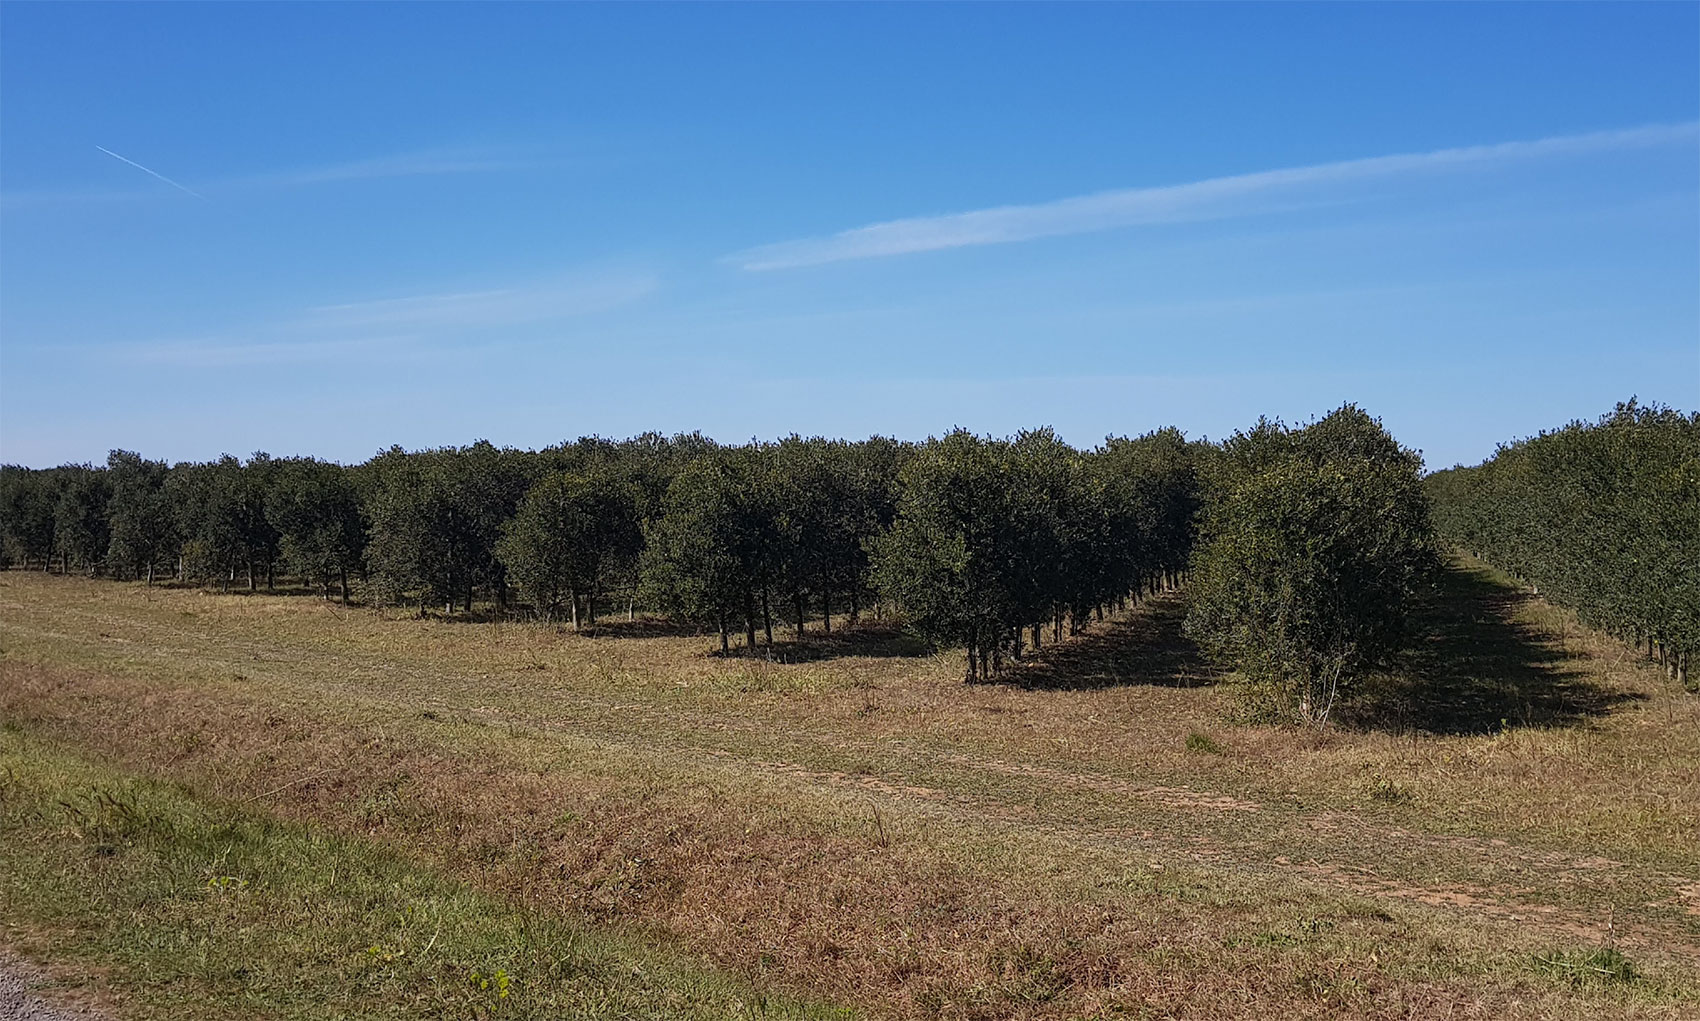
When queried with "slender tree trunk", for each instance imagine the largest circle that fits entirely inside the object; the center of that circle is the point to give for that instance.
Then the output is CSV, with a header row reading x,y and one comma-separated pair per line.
x,y
725,639
766,617
749,623
342,576
1038,631
1056,625
271,575
631,602
855,607
573,595
826,607
150,574
802,609
468,602
968,674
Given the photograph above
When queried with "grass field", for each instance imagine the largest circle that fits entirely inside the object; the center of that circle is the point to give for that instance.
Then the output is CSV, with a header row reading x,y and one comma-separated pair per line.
x,y
263,804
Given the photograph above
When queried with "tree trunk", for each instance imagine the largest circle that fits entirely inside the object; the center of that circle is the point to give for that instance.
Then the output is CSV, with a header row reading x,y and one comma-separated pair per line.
x,y
251,587
802,609
766,617
342,576
1038,631
573,596
749,619
826,607
855,607
271,575
150,574
725,639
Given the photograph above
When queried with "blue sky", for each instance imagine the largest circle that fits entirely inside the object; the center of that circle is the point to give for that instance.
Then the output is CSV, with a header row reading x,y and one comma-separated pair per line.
x,y
428,224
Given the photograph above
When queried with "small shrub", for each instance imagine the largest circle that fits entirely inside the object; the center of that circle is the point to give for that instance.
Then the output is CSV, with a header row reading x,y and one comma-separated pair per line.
x,y
1197,742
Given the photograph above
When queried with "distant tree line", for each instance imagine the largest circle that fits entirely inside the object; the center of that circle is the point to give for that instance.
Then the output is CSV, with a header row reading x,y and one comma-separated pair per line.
x,y
1600,516
982,543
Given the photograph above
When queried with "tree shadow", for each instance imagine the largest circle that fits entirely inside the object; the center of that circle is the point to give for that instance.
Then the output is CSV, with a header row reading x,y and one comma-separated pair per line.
x,y
1146,647
1475,668
869,639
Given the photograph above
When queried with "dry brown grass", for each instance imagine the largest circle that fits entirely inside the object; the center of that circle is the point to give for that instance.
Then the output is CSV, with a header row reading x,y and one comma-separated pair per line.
x,y
868,829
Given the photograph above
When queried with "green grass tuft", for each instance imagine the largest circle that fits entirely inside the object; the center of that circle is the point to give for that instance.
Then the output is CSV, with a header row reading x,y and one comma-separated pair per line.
x,y
1198,742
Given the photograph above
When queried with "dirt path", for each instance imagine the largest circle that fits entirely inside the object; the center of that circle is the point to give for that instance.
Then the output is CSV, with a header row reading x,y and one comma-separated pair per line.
x,y
19,1002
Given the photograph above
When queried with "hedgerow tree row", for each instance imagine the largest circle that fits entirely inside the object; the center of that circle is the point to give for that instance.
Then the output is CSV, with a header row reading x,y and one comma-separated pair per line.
x,y
1603,517
1315,540
982,542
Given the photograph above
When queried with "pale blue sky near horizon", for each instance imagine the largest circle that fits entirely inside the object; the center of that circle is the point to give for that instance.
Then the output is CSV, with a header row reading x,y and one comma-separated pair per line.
x,y
328,228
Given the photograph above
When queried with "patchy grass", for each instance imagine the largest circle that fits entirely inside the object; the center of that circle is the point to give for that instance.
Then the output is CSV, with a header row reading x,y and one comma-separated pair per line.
x,y
189,909
854,823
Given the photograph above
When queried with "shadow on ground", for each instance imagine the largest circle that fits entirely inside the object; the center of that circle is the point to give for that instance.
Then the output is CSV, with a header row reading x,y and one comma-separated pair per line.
x,y
1477,669
1146,647
866,638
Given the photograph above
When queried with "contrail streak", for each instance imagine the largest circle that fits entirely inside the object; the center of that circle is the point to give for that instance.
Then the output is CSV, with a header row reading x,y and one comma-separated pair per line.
x,y
155,173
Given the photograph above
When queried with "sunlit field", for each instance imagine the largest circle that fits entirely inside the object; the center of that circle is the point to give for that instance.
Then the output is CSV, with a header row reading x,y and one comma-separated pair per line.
x,y
278,805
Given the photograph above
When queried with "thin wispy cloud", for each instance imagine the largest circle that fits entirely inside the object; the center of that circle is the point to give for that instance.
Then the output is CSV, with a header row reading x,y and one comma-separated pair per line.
x,y
146,170
1214,198
424,163
447,324
538,301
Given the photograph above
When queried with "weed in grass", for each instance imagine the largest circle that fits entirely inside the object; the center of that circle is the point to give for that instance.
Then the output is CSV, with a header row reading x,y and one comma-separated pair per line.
x,y
1202,743
1600,966
1387,790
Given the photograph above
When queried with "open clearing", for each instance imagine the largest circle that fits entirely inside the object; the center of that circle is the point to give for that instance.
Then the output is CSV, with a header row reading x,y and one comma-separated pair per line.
x,y
1510,829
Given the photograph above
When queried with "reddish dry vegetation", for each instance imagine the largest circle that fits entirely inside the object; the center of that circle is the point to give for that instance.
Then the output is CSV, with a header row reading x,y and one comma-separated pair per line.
x,y
859,825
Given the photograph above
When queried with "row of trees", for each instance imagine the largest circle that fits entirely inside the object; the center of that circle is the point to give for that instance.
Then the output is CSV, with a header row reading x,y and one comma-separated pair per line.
x,y
1601,516
996,537
977,539
1313,542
